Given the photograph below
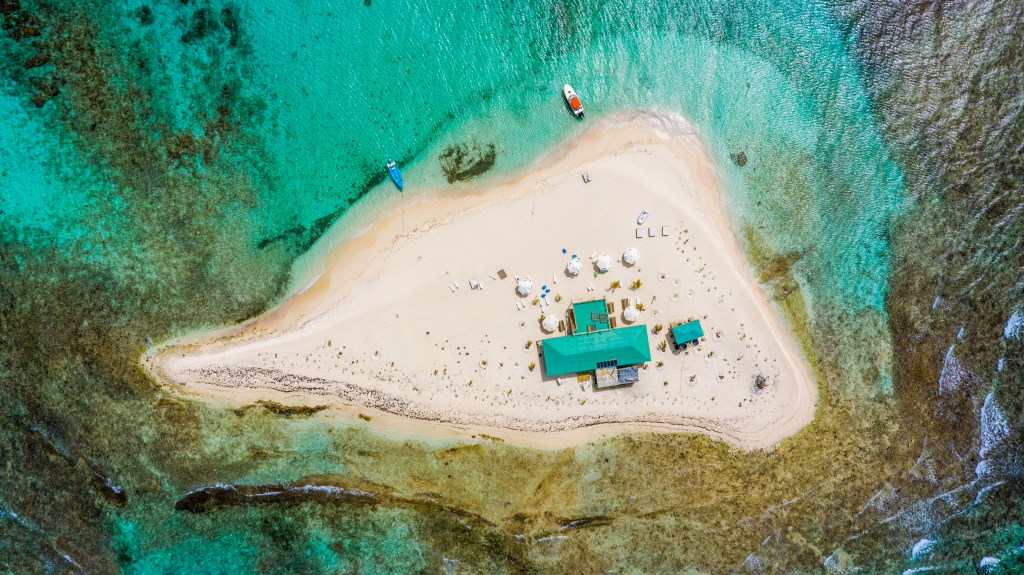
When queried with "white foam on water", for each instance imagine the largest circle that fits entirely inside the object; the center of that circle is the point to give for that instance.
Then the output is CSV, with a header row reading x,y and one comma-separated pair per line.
x,y
987,563
952,375
1000,364
918,570
1014,325
993,425
921,547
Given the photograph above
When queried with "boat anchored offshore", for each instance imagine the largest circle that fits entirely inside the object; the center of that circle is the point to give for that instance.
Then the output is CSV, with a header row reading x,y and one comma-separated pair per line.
x,y
396,175
573,100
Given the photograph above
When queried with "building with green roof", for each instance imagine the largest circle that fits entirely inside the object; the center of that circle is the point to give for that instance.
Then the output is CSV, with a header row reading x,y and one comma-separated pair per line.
x,y
687,333
588,351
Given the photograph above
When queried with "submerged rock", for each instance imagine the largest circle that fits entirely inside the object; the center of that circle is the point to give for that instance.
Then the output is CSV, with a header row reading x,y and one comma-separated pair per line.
x,y
740,158
460,162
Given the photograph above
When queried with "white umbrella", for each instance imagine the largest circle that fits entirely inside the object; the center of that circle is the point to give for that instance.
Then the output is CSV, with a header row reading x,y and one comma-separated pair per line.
x,y
603,262
631,256
631,314
549,324
524,287
574,266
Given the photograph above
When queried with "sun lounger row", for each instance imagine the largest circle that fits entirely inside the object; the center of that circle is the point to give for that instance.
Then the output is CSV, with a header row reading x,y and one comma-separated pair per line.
x,y
651,232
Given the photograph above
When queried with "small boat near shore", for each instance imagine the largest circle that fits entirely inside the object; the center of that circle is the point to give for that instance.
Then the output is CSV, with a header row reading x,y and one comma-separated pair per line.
x,y
573,100
396,175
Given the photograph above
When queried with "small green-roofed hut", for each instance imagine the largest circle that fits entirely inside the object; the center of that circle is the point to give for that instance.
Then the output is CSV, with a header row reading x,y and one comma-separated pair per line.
x,y
584,351
687,332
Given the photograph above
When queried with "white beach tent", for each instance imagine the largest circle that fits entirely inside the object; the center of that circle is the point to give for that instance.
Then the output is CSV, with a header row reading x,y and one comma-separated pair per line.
x,y
574,266
524,287
603,262
631,314
631,256
549,324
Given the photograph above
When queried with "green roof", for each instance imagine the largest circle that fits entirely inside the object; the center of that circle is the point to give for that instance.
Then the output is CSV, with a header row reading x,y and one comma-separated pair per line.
x,y
687,332
583,351
584,318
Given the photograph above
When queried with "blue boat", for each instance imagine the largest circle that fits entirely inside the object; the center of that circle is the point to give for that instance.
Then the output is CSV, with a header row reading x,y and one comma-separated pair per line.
x,y
396,175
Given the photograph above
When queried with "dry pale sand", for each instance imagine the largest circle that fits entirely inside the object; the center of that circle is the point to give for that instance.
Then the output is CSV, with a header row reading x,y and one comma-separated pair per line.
x,y
381,333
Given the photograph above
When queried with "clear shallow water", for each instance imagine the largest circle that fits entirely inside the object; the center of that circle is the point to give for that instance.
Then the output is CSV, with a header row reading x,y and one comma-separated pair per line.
x,y
187,153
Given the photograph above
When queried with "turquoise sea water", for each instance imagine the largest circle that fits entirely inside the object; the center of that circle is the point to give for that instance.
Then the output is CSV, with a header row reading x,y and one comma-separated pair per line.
x,y
162,164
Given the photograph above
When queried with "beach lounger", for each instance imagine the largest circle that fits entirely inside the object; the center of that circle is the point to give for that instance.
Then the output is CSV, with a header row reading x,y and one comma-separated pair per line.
x,y
479,285
612,322
561,326
493,277
456,284
528,277
650,232
554,279
639,232
473,284
451,287
664,230
625,303
611,307
502,274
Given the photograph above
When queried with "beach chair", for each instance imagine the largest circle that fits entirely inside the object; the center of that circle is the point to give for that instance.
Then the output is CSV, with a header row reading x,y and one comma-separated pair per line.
x,y
561,326
612,322
664,230
493,277
456,284
611,307
473,284
451,287
650,232
639,233
625,303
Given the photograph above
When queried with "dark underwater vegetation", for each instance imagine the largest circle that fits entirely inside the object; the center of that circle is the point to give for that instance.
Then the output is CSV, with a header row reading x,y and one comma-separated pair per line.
x,y
163,164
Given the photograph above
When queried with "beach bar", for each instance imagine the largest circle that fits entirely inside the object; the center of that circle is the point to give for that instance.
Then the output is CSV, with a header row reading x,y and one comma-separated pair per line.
x,y
594,346
687,333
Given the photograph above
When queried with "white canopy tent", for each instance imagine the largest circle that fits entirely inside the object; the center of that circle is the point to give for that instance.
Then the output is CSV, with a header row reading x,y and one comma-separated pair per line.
x,y
549,324
574,267
631,314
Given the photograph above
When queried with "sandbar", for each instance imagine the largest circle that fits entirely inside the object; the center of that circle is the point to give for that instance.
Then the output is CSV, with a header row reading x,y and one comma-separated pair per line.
x,y
381,332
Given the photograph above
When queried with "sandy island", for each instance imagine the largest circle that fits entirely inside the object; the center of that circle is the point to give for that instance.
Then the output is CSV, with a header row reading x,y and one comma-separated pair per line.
x,y
381,333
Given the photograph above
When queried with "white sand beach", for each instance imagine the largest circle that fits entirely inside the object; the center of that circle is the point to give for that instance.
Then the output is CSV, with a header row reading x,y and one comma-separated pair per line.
x,y
382,332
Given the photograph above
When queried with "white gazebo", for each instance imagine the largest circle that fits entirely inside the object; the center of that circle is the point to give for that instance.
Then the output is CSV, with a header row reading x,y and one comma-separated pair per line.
x,y
549,324
631,256
631,314
524,287
574,267
603,263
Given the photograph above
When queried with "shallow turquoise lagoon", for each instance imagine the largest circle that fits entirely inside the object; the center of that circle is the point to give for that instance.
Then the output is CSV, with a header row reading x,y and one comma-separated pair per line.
x,y
164,163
